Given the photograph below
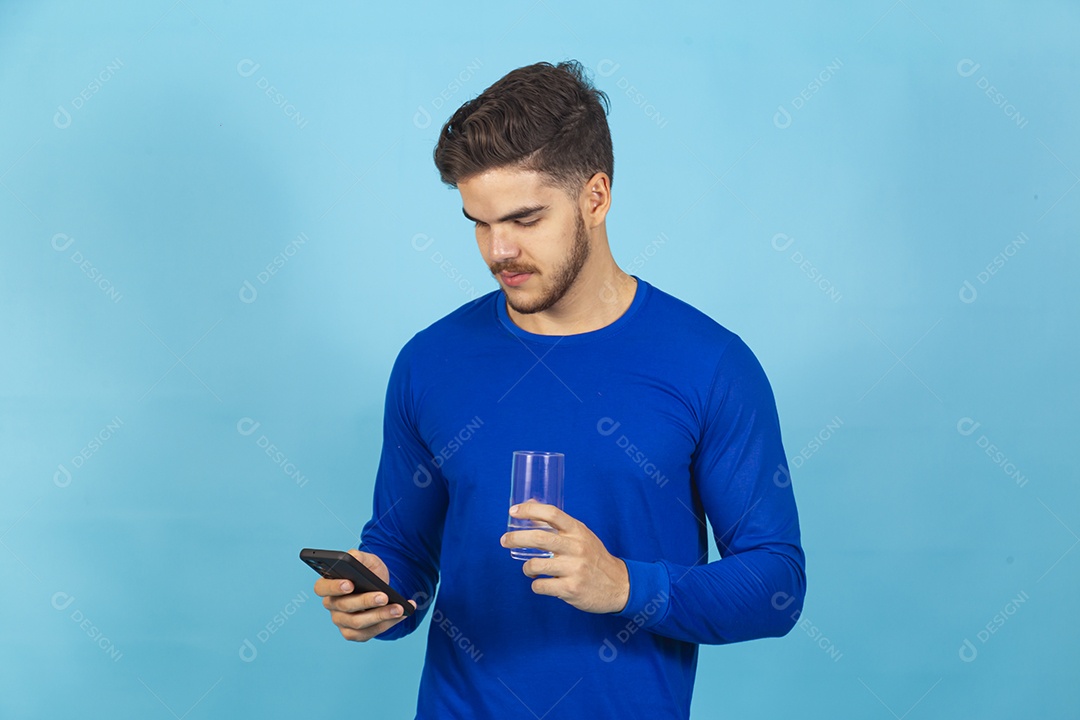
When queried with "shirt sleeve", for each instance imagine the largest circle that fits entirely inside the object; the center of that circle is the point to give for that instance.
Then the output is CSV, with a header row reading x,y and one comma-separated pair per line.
x,y
409,504
756,588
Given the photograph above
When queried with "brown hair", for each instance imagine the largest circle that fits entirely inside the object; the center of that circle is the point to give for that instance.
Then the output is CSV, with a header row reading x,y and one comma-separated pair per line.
x,y
542,117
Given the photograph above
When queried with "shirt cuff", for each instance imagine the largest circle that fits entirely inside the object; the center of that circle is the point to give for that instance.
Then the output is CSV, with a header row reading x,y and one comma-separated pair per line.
x,y
650,592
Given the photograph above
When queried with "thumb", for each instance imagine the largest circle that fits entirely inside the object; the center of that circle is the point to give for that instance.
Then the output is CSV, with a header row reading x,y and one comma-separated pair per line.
x,y
373,563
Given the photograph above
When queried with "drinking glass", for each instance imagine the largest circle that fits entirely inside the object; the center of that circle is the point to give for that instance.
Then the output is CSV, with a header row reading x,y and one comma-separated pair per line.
x,y
536,476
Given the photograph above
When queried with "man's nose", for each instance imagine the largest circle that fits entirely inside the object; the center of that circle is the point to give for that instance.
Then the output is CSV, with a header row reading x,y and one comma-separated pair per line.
x,y
503,247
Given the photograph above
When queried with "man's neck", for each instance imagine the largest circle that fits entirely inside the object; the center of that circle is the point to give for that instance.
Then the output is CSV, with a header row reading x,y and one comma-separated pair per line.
x,y
592,303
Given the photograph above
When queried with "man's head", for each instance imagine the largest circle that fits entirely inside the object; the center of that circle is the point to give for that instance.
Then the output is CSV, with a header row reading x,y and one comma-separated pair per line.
x,y
543,117
532,159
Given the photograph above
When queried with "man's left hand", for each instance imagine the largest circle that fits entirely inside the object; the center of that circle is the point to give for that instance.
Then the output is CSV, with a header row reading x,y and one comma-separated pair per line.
x,y
582,572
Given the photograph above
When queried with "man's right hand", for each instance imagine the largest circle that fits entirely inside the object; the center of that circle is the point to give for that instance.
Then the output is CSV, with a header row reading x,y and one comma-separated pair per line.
x,y
363,616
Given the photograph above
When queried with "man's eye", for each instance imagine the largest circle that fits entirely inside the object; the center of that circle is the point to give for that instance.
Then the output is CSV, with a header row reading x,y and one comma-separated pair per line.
x,y
527,224
479,224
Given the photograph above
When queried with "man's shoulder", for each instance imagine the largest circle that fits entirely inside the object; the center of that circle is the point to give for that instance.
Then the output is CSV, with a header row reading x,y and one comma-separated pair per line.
x,y
705,348
456,328
677,317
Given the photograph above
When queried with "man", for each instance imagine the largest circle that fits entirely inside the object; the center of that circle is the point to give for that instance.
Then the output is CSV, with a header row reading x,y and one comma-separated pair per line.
x,y
665,417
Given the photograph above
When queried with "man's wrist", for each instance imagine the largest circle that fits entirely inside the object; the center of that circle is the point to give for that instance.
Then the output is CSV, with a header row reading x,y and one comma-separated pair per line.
x,y
649,593
622,596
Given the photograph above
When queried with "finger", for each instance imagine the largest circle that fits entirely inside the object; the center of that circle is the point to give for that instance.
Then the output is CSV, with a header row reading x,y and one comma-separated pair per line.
x,y
329,587
369,632
358,635
551,567
539,539
553,587
367,618
366,633
553,516
357,603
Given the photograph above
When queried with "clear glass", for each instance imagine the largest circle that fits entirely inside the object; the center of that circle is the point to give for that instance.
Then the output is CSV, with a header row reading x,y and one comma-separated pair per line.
x,y
536,476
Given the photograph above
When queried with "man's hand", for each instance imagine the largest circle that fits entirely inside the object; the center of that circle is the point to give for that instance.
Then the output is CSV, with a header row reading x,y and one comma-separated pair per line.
x,y
359,617
583,573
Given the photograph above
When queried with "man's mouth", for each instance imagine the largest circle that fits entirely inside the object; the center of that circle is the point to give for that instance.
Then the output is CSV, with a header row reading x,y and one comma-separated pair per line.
x,y
514,279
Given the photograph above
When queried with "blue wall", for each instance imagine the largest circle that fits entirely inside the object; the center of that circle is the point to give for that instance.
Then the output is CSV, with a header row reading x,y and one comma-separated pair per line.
x,y
220,222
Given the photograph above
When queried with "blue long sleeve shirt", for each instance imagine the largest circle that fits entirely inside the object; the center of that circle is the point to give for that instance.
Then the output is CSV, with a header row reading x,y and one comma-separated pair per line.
x,y
667,420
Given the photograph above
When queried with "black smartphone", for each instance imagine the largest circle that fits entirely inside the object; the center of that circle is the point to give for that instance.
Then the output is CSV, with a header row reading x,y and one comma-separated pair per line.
x,y
338,565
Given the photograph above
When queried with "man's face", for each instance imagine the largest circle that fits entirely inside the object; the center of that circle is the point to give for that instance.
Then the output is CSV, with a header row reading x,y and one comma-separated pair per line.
x,y
531,235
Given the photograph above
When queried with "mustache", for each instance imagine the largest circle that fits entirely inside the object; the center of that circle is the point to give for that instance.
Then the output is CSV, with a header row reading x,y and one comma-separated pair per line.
x,y
511,268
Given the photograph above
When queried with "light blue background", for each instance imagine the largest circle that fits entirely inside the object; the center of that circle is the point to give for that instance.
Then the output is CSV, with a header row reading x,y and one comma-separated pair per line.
x,y
175,179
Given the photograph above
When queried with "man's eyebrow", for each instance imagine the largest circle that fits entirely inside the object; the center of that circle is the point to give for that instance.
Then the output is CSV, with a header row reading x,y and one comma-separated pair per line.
x,y
516,215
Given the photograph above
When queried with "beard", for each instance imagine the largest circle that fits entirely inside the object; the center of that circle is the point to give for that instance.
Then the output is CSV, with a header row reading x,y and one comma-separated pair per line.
x,y
562,277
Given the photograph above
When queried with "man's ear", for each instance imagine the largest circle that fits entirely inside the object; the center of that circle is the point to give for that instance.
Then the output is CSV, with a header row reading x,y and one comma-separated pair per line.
x,y
596,199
